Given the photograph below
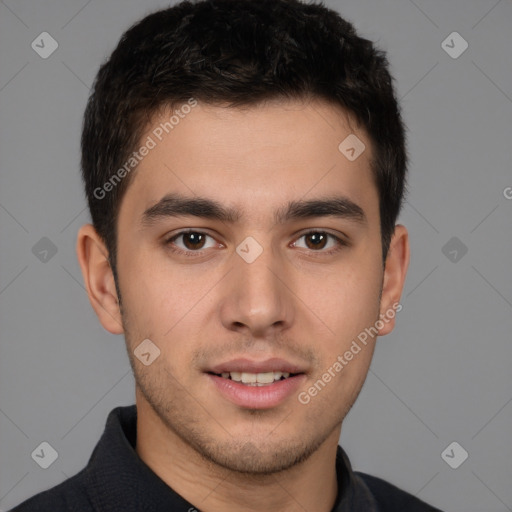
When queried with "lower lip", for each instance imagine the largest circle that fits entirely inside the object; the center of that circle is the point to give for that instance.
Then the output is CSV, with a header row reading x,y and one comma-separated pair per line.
x,y
257,397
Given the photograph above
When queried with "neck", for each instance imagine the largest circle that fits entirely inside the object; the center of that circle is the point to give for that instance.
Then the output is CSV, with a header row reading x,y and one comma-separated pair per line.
x,y
310,485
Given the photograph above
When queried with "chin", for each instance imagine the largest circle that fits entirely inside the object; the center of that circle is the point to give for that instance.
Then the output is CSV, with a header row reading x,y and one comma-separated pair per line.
x,y
254,458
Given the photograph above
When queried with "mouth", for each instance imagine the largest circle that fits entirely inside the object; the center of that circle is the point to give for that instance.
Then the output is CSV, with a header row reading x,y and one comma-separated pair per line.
x,y
257,384
256,379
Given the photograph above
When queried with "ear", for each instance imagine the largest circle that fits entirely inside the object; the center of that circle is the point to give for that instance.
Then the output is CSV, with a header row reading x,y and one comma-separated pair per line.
x,y
395,270
98,278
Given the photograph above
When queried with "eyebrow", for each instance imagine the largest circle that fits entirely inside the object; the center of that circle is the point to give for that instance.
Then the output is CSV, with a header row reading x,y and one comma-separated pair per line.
x,y
177,205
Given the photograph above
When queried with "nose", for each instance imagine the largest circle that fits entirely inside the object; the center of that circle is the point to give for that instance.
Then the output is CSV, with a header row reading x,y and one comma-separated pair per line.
x,y
257,297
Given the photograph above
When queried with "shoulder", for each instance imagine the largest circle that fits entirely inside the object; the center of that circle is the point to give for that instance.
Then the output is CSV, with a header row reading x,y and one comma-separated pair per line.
x,y
390,498
67,496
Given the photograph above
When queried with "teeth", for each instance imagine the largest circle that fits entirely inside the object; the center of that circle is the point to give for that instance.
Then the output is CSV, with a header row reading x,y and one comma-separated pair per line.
x,y
262,378
249,378
255,379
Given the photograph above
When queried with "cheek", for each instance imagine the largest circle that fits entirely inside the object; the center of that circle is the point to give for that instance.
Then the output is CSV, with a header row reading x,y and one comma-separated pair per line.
x,y
153,285
342,303
167,304
148,291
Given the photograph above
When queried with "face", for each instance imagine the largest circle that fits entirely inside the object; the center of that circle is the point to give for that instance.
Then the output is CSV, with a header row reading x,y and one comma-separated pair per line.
x,y
249,247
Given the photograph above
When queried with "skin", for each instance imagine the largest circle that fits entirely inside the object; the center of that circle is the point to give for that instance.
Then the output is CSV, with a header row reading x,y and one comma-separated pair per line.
x,y
295,301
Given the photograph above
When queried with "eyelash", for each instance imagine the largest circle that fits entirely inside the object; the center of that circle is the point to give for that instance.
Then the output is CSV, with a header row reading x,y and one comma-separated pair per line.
x,y
191,254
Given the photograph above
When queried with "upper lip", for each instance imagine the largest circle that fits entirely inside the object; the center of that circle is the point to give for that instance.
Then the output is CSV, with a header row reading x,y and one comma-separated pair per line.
x,y
246,365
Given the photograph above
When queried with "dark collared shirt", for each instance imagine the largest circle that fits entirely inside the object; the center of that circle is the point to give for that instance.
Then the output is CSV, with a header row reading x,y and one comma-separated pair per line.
x,y
116,479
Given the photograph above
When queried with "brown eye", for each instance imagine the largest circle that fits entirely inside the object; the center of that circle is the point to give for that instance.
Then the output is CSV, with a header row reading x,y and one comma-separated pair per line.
x,y
316,240
193,240
190,241
320,241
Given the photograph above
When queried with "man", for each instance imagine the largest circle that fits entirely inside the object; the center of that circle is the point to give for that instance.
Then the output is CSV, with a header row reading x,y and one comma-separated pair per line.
x,y
244,163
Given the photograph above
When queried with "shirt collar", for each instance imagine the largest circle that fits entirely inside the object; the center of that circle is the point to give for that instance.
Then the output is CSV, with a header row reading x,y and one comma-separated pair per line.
x,y
118,479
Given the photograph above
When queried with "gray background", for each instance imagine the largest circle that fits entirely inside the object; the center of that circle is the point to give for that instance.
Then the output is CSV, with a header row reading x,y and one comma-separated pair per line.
x,y
443,375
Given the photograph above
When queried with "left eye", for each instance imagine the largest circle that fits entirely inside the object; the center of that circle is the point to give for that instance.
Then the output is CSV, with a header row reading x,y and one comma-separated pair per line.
x,y
192,241
317,240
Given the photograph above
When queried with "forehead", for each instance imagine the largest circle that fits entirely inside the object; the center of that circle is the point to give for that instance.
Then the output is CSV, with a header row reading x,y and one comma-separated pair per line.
x,y
255,158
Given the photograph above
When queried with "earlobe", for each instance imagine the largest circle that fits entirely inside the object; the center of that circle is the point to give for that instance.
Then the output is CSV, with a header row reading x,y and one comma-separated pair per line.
x,y
397,262
98,278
